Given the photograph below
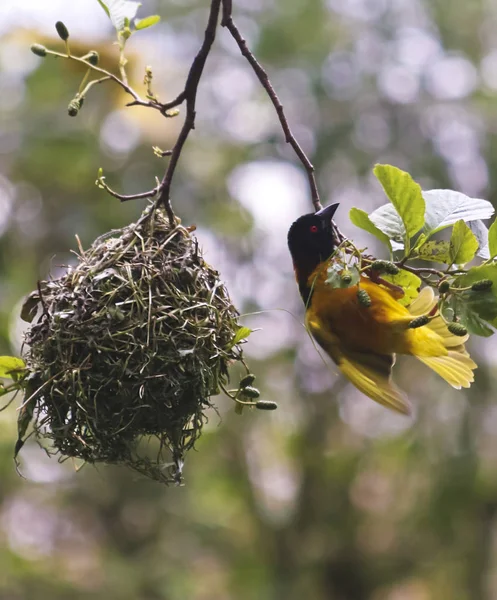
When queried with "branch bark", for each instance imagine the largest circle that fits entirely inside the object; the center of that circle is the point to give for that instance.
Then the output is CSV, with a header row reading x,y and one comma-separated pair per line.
x,y
262,76
190,96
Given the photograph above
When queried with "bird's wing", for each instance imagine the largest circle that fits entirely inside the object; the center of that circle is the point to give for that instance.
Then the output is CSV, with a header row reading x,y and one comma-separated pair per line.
x,y
369,372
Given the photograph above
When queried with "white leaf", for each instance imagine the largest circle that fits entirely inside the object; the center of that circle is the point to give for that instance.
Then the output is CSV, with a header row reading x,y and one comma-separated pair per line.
x,y
481,233
388,220
119,11
446,207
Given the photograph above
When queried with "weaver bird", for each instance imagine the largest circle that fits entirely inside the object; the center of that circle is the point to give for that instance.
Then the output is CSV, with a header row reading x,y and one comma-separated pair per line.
x,y
363,340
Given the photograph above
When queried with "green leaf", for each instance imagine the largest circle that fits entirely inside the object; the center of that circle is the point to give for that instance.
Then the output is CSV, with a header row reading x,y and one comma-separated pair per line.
x,y
482,303
477,274
420,240
10,366
387,220
470,310
492,239
241,334
408,281
463,244
120,11
406,196
436,251
475,324
147,22
360,218
446,207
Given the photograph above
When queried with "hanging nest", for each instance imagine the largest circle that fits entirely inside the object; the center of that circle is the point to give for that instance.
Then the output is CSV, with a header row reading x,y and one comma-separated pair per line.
x,y
130,345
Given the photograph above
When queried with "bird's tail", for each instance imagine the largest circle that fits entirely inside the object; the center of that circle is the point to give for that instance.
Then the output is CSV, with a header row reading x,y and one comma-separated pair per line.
x,y
455,366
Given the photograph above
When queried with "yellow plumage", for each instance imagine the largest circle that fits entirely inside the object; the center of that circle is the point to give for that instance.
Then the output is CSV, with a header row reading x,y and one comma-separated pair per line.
x,y
363,340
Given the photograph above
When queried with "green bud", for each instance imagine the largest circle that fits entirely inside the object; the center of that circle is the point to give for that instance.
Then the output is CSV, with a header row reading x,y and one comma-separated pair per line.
x,y
250,392
125,32
75,106
39,50
346,277
444,286
385,266
457,329
364,298
419,322
62,31
266,405
247,380
482,285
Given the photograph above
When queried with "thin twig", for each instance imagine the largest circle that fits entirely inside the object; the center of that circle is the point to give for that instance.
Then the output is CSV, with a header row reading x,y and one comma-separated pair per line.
x,y
129,90
126,197
190,95
261,74
180,98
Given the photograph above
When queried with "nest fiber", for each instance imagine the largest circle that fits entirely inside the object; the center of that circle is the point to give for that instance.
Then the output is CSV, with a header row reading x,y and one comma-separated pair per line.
x,y
129,346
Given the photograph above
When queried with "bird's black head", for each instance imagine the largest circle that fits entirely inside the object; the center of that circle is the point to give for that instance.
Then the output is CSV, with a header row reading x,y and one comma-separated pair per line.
x,y
311,240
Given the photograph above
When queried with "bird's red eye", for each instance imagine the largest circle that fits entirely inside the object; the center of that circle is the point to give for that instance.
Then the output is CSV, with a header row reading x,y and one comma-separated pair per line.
x,y
313,228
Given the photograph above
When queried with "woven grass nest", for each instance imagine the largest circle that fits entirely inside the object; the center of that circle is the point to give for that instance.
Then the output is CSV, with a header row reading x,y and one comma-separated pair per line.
x,y
129,345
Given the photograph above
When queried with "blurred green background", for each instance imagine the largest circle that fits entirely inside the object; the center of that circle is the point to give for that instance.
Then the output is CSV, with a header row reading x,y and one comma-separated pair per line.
x,y
331,496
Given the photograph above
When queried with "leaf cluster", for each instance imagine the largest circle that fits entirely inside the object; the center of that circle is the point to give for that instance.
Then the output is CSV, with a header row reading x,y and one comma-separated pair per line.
x,y
445,229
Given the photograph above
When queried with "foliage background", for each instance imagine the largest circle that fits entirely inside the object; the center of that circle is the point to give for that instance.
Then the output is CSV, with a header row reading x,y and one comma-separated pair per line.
x,y
331,496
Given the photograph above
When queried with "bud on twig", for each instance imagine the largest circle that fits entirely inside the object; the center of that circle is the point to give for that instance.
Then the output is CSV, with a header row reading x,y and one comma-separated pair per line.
x,y
75,106
266,405
62,31
92,57
419,322
385,266
457,329
39,50
364,298
444,286
250,392
482,285
247,380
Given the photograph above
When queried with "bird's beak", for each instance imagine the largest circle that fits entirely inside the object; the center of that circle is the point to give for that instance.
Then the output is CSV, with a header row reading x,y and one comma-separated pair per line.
x,y
326,213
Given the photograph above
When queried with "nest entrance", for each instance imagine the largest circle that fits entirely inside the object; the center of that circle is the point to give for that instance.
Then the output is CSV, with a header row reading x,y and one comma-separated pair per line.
x,y
130,344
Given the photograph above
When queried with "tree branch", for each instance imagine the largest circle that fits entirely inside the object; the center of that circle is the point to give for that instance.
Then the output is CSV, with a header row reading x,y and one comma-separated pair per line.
x,y
190,96
261,74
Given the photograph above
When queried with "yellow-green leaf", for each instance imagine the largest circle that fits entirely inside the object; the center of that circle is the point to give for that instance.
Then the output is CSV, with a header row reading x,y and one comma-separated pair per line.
x,y
436,251
406,196
408,281
492,239
240,335
463,244
10,366
147,22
